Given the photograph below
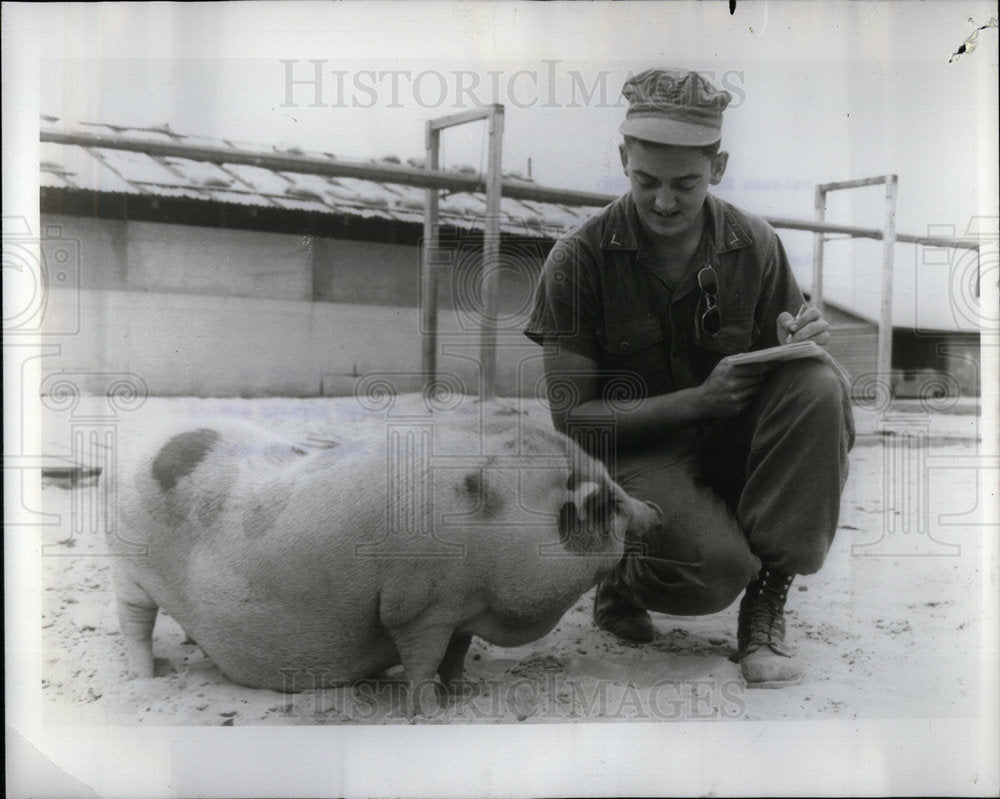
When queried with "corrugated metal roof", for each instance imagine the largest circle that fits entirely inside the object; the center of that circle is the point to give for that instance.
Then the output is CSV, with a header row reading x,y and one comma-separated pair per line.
x,y
120,171
256,179
82,169
240,198
200,173
54,179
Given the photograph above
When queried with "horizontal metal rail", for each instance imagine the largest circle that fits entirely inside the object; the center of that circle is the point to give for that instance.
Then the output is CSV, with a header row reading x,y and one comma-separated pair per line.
x,y
870,233
462,117
435,179
331,167
851,184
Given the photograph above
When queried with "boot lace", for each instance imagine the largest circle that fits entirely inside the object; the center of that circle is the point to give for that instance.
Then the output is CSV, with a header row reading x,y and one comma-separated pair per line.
x,y
762,619
768,617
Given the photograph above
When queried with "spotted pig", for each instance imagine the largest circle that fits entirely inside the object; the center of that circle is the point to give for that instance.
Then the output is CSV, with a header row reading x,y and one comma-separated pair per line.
x,y
283,560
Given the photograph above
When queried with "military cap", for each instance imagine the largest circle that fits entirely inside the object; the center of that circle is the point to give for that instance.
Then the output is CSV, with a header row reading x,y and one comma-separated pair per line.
x,y
674,106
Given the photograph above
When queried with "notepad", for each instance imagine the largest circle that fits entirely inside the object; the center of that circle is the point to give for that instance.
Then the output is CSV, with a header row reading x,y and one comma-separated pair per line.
x,y
789,352
783,352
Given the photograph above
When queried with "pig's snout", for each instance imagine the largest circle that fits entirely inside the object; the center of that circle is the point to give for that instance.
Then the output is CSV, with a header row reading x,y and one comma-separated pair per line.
x,y
644,516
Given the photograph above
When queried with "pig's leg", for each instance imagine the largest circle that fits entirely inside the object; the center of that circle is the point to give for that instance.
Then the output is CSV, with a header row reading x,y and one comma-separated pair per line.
x,y
452,666
421,633
421,648
452,669
136,617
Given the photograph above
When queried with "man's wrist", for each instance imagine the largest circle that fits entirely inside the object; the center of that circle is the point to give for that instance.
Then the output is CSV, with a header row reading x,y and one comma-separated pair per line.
x,y
698,406
689,405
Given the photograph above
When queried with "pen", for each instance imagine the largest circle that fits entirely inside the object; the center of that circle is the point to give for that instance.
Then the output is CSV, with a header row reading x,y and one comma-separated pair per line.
x,y
798,316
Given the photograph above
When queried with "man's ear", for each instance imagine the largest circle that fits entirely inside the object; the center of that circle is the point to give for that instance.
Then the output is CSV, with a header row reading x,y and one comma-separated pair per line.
x,y
719,161
624,156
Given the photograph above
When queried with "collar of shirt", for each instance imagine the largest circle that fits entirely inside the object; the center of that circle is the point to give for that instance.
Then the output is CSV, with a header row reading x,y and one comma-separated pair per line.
x,y
622,232
724,233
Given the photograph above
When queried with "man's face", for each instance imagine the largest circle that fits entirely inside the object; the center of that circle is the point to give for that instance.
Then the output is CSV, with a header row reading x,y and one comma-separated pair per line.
x,y
669,185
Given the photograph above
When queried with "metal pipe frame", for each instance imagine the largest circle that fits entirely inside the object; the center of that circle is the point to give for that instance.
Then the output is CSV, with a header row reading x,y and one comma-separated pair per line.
x,y
433,179
453,182
494,116
883,358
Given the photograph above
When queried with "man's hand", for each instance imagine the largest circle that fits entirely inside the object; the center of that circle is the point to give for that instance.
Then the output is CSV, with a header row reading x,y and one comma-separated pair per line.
x,y
811,326
728,390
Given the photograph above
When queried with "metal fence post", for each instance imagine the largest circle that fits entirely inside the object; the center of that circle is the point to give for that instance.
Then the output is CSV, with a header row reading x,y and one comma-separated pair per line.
x,y
818,246
429,275
491,257
884,358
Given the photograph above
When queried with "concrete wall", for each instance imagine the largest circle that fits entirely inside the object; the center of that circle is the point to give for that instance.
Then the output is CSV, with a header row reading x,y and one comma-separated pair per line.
x,y
214,311
151,256
186,344
102,245
218,312
367,271
168,258
199,260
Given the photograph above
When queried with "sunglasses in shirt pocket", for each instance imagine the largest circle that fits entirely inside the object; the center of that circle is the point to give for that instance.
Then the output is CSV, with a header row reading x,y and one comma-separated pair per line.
x,y
736,334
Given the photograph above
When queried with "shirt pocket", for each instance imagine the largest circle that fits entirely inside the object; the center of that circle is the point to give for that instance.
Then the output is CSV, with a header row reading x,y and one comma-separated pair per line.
x,y
737,334
627,337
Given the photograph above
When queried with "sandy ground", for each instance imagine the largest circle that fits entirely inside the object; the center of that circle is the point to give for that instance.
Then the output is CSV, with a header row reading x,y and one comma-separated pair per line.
x,y
890,628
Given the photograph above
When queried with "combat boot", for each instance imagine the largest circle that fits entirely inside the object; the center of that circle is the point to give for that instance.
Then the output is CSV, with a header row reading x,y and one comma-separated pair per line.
x,y
614,613
764,658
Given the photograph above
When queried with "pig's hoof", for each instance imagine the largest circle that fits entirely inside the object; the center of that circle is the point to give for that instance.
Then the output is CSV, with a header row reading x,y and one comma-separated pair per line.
x,y
142,670
427,700
160,667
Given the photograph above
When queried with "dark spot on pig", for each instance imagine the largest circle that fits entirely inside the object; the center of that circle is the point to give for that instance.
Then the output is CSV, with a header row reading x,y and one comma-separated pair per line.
x,y
181,454
259,520
488,502
263,512
474,483
208,507
202,504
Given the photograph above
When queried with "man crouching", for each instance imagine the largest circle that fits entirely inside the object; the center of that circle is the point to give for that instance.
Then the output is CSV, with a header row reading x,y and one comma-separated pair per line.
x,y
637,308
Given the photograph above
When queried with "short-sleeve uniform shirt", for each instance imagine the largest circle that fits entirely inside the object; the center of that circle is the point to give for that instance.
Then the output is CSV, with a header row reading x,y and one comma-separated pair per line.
x,y
600,295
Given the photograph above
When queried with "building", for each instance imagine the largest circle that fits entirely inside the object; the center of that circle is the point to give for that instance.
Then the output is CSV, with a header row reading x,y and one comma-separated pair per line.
x,y
227,279
231,280
927,363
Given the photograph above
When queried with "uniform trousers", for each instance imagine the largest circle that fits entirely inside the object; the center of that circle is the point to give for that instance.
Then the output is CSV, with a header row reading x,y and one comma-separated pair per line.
x,y
760,487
